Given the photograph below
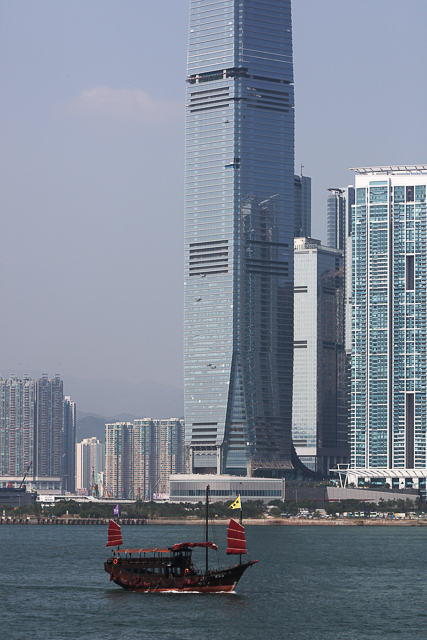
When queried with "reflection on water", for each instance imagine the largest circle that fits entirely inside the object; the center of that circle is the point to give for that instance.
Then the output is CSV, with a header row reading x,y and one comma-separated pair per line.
x,y
310,583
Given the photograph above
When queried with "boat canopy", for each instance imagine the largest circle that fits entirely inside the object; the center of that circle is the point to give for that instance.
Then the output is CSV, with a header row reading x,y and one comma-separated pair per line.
x,y
143,551
236,542
191,545
114,534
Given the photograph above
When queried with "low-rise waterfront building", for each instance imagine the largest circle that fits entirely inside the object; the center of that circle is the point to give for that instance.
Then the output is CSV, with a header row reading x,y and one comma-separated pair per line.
x,y
192,488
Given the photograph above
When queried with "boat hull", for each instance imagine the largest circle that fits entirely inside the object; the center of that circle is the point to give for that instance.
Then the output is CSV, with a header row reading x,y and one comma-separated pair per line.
x,y
215,581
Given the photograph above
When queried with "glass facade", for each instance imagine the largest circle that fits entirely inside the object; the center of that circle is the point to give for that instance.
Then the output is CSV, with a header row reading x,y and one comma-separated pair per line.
x,y
320,391
302,207
389,320
192,488
239,231
339,204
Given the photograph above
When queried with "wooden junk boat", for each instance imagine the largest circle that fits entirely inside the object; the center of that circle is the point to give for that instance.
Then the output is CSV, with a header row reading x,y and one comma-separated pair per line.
x,y
172,569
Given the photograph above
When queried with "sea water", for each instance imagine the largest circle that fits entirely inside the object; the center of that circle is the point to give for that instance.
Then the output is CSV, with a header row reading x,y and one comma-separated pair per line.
x,y
311,583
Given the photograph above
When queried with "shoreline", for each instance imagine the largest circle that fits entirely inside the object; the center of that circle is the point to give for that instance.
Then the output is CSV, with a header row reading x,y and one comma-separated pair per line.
x,y
269,522
290,522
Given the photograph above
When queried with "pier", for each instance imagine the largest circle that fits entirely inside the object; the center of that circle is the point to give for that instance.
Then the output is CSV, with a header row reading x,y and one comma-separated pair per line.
x,y
69,521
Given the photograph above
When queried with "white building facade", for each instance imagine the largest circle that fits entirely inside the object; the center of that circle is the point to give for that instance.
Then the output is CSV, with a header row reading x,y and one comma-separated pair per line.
x,y
320,387
90,458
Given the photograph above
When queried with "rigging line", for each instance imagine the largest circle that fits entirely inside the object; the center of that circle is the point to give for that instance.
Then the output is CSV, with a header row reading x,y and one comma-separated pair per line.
x,y
215,540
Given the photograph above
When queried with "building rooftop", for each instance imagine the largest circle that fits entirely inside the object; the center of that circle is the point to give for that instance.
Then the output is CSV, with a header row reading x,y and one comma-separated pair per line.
x,y
312,243
393,169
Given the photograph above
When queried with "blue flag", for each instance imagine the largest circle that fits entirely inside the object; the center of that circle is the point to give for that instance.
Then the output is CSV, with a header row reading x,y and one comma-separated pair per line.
x,y
116,510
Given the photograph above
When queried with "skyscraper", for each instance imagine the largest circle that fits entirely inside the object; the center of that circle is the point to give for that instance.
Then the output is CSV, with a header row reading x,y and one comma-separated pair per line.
x,y
17,424
68,471
302,218
389,376
239,229
50,425
320,391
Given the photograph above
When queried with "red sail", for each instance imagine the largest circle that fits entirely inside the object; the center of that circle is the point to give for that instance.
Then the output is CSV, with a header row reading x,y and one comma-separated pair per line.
x,y
236,538
114,534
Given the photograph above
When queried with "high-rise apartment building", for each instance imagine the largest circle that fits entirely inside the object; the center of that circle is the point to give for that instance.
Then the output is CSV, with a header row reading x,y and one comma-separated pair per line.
x,y
49,434
119,459
302,213
146,458
68,471
389,378
320,389
140,457
37,426
90,460
17,424
239,229
159,451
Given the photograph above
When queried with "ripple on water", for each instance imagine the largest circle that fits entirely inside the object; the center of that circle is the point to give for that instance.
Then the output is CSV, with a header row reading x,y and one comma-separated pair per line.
x,y
349,583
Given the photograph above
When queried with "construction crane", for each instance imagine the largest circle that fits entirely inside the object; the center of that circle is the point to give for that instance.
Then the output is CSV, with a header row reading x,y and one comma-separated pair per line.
x,y
25,475
95,489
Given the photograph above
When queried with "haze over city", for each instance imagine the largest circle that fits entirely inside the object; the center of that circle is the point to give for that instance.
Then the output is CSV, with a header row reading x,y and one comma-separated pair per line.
x,y
92,166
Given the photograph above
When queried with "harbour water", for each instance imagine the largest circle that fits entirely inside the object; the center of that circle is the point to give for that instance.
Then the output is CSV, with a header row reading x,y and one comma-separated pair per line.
x,y
311,583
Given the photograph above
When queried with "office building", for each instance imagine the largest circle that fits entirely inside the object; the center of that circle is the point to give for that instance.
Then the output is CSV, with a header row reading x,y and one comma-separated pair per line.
x,y
90,459
239,229
339,204
320,389
302,207
388,399
339,225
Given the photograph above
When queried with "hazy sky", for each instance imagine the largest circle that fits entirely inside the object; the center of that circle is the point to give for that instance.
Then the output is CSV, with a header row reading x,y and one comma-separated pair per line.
x,y
92,152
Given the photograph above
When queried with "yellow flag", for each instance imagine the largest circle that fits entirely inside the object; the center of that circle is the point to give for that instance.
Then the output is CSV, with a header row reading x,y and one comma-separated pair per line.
x,y
236,504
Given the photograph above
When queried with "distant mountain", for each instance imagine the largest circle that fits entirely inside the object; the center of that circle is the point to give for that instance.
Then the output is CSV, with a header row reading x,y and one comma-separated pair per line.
x,y
118,397
90,425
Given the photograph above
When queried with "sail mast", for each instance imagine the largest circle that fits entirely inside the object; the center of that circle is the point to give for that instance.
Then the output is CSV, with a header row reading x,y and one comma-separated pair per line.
x,y
207,525
241,523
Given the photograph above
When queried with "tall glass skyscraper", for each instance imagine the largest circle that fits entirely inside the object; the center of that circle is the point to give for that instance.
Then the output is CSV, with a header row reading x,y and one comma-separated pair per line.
x,y
239,232
302,207
389,335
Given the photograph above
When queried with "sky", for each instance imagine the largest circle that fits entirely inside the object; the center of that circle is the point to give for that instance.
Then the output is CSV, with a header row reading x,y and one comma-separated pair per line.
x,y
92,163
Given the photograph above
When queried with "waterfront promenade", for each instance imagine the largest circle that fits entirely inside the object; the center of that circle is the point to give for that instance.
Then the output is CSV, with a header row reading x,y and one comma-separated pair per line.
x,y
302,522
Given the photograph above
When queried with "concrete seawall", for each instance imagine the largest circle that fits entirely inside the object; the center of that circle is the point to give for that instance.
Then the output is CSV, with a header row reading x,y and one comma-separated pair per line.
x,y
301,522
